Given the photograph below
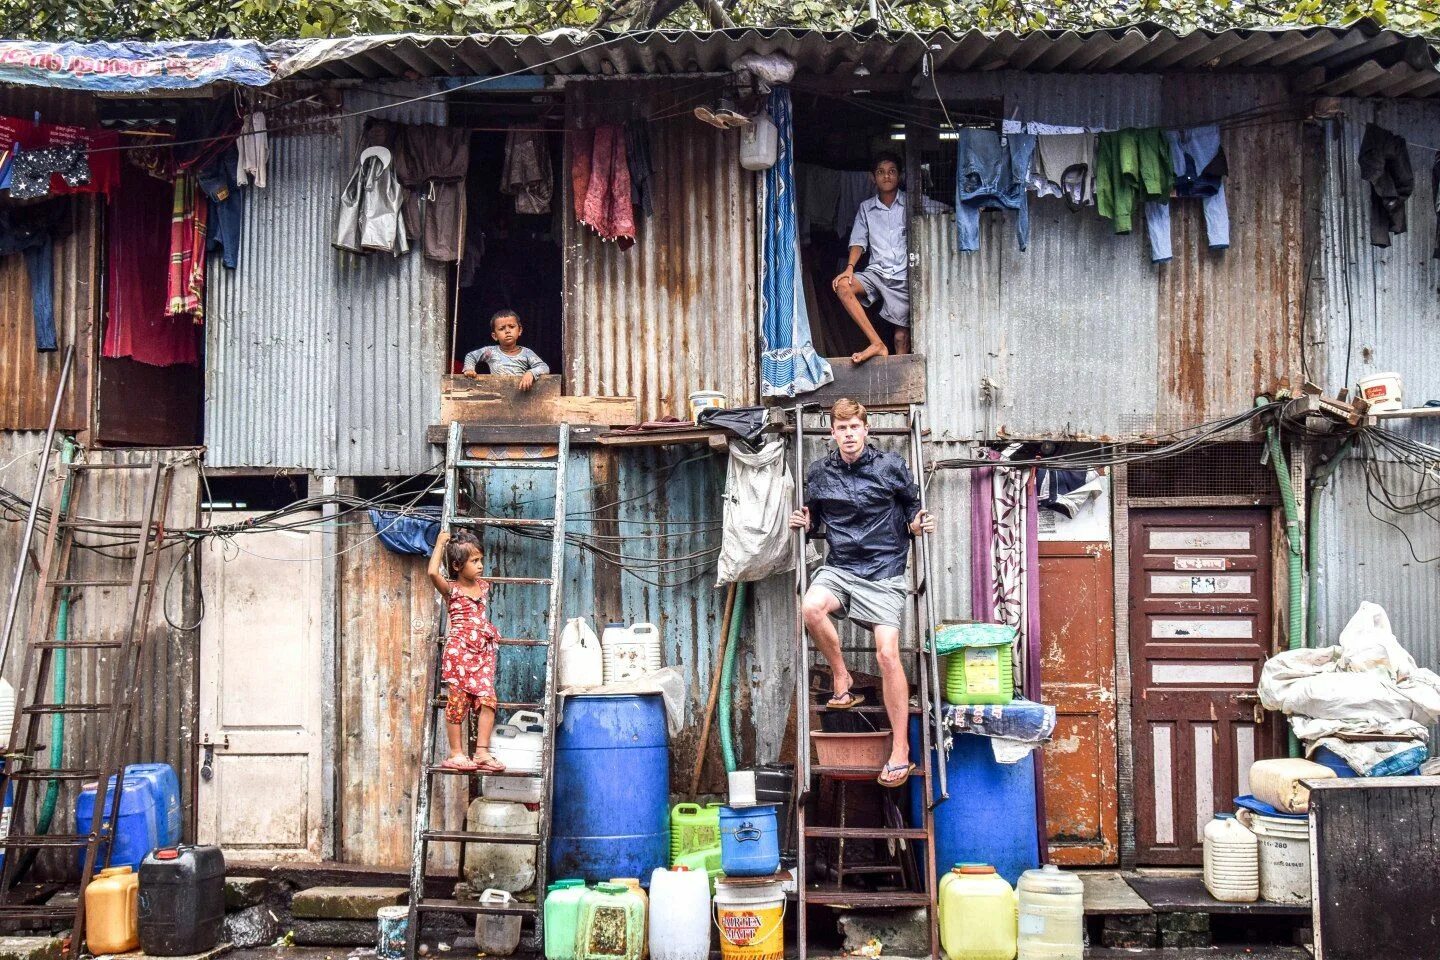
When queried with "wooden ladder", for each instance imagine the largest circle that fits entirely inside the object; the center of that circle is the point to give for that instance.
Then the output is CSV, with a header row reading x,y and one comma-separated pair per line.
x,y
920,653
456,464
103,764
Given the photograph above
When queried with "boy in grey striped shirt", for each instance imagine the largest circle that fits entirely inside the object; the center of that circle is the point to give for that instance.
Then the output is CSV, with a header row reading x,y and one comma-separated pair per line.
x,y
507,357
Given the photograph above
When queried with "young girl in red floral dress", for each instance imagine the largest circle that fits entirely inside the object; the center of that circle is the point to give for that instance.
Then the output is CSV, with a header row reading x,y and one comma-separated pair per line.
x,y
472,649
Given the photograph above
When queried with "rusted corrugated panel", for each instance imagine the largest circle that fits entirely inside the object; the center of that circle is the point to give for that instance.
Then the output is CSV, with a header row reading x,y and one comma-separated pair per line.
x,y
1375,308
676,312
997,323
32,377
1229,323
1363,557
162,726
317,359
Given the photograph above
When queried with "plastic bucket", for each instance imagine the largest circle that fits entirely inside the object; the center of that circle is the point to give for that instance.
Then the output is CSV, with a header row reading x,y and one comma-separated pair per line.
x,y
392,924
705,400
1383,391
749,841
751,921
1284,856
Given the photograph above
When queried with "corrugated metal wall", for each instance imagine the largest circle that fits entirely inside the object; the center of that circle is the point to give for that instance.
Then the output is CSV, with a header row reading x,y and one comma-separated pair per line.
x,y
318,359
676,312
162,729
31,377
1150,346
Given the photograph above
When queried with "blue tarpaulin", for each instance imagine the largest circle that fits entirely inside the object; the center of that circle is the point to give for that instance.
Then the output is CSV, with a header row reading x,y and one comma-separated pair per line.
x,y
411,533
134,67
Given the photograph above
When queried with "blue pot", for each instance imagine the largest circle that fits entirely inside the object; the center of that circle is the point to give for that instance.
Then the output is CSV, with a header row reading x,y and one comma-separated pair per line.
x,y
749,841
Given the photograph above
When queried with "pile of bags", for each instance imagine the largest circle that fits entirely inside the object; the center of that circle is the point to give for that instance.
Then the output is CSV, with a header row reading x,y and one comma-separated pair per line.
x,y
1364,699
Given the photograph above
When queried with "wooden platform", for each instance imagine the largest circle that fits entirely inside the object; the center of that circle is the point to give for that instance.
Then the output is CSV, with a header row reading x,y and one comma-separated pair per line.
x,y
893,381
1107,893
1188,895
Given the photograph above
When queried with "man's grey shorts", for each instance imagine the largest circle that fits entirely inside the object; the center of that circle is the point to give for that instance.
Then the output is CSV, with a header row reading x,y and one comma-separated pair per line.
x,y
893,293
870,603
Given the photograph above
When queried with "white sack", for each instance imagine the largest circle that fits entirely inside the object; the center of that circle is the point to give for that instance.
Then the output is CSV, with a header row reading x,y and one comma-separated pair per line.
x,y
759,495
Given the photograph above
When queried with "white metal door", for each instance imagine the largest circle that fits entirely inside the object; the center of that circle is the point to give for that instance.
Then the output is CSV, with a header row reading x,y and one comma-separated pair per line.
x,y
261,687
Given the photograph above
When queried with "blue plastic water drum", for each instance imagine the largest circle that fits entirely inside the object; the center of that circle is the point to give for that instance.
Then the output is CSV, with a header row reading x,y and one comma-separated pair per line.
x,y
136,830
1329,758
612,788
165,787
990,816
749,841
5,815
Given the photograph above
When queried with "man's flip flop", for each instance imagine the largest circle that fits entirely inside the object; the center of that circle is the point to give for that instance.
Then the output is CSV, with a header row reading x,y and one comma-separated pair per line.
x,y
907,768
845,701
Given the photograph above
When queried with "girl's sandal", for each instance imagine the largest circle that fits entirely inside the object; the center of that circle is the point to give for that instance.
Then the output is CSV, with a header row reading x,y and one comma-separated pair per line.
x,y
488,764
462,765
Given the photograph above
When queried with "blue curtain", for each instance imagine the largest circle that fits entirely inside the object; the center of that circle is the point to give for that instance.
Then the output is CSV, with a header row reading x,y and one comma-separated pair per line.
x,y
789,364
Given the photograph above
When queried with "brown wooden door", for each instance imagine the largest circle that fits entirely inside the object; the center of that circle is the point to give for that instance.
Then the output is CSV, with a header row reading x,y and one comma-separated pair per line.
x,y
1200,628
1077,675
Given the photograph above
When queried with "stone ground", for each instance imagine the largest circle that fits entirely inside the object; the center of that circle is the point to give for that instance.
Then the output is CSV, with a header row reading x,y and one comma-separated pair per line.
x,y
1214,953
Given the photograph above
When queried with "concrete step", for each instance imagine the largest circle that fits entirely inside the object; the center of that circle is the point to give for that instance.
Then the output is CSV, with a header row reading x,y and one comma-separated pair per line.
x,y
31,948
346,903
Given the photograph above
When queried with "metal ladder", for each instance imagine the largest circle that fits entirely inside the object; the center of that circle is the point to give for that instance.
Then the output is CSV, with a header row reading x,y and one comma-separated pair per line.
x,y
25,767
926,670
424,835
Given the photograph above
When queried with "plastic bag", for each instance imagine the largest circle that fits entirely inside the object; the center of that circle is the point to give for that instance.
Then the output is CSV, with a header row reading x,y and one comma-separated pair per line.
x,y
759,495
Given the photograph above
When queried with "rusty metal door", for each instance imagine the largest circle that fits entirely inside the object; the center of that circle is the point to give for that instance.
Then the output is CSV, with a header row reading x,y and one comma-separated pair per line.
x,y
1077,675
1200,628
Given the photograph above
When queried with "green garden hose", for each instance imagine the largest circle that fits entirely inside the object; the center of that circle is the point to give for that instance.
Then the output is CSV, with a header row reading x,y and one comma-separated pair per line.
x,y
727,679
1294,537
62,634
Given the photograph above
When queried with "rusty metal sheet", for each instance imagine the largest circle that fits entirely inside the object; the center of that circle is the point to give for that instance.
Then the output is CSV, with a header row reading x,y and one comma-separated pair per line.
x,y
1077,676
678,311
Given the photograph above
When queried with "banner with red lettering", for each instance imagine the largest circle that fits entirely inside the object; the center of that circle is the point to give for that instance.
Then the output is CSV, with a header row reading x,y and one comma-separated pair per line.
x,y
134,67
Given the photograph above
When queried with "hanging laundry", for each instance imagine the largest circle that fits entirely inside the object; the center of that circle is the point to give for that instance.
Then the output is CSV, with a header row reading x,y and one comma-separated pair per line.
x,y
1385,165
430,162
1132,167
32,170
991,174
856,186
1065,164
1067,491
1198,162
253,150
527,175
185,284
600,177
87,161
1039,129
31,231
227,206
137,324
369,217
642,166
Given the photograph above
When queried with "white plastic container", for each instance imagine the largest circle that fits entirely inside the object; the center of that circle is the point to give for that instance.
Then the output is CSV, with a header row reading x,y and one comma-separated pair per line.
x,y
517,744
1384,391
759,143
1052,915
741,788
514,789
705,400
7,713
1284,854
582,662
630,652
1280,782
497,934
1232,860
502,866
679,914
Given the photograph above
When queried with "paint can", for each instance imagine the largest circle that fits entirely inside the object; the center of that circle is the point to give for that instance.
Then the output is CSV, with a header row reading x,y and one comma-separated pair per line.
x,y
751,921
705,400
393,924
1284,853
1383,391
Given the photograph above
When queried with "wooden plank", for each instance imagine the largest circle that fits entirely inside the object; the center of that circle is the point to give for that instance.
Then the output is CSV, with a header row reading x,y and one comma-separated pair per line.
x,y
497,435
881,382
1188,895
1106,892
660,438
499,400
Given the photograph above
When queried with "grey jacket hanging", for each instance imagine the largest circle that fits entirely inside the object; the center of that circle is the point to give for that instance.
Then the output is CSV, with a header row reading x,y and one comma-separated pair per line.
x,y
369,216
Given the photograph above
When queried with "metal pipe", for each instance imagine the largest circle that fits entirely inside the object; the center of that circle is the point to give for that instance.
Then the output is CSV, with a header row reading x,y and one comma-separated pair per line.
x,y
39,489
922,554
802,658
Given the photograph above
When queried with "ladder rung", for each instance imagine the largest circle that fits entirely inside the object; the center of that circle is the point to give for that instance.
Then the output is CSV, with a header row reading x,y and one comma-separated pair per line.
x,y
871,869
461,836
866,833
863,708
523,581
506,464
47,840
474,906
510,642
109,466
43,708
17,911
879,899
448,772
857,773
500,522
78,644
52,584
58,773
866,648
440,702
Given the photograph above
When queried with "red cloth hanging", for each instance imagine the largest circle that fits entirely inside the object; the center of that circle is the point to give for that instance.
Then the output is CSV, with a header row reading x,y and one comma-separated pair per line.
x,y
185,289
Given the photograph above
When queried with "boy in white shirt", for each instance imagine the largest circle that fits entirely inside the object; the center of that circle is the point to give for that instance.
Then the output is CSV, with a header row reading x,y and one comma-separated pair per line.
x,y
880,227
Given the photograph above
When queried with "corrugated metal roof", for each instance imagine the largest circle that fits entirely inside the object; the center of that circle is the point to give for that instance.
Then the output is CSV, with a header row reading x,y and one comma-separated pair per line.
x,y
318,359
676,312
1155,347
1378,304
1381,61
